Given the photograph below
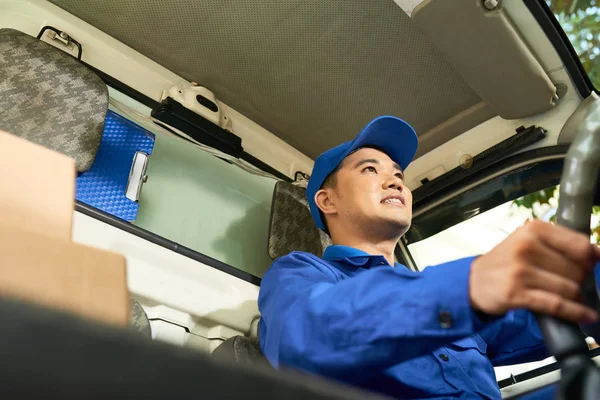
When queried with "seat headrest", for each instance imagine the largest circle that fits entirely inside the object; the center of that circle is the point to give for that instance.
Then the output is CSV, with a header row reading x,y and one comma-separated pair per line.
x,y
292,227
48,97
241,350
138,320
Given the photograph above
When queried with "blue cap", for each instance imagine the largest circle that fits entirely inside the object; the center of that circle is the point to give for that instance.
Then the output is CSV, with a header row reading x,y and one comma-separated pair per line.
x,y
392,135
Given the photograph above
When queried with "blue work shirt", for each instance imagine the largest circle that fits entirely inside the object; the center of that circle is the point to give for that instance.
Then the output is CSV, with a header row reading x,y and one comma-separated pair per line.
x,y
350,316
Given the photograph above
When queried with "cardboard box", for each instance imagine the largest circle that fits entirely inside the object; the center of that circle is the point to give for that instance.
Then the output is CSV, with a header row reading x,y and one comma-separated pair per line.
x,y
38,261
64,275
37,187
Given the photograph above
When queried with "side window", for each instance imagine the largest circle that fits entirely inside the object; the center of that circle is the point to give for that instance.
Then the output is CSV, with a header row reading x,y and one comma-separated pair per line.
x,y
204,203
481,233
475,221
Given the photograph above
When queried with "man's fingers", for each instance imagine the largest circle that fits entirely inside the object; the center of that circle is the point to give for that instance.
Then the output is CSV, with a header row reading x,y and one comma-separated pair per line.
x,y
573,245
552,304
550,282
548,259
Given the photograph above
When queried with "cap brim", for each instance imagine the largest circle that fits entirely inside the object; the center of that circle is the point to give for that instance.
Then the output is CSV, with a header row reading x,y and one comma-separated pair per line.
x,y
392,135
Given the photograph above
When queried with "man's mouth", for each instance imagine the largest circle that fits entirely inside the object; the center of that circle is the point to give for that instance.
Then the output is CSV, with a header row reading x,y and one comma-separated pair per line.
x,y
395,200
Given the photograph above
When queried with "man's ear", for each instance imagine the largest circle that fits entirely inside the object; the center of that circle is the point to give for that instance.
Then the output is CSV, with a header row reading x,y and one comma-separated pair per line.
x,y
326,202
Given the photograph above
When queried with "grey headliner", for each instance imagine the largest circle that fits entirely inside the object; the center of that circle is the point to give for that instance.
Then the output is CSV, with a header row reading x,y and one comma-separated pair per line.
x,y
313,72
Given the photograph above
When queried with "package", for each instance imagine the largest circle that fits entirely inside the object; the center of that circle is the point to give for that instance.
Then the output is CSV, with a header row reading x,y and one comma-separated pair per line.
x,y
38,260
37,187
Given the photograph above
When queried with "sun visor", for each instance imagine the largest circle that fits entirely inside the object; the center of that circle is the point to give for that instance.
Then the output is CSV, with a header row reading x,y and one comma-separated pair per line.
x,y
485,49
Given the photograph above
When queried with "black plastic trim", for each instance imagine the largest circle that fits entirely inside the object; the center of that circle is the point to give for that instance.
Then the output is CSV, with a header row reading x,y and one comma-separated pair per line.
x,y
167,244
176,115
123,88
557,36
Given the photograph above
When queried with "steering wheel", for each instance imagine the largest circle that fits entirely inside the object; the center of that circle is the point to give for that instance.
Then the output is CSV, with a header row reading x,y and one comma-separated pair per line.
x,y
580,377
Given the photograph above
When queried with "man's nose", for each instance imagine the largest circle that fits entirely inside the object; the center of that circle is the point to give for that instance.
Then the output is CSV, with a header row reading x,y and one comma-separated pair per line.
x,y
393,182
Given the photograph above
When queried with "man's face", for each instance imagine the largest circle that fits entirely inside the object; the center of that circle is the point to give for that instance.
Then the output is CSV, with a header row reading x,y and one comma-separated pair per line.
x,y
370,192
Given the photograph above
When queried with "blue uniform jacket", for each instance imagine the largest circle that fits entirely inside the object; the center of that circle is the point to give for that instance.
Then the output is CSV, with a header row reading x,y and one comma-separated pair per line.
x,y
351,317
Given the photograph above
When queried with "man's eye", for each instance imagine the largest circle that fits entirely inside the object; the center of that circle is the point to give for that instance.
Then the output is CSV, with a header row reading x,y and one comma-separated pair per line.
x,y
370,169
399,176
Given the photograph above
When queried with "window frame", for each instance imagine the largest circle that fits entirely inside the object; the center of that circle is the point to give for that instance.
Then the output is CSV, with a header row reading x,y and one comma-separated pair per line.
x,y
540,156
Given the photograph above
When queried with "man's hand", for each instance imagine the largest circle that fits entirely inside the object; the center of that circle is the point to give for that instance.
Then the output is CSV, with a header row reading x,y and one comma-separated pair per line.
x,y
539,267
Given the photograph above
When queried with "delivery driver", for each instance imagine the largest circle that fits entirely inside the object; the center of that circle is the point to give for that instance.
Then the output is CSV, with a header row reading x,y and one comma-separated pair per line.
x,y
356,316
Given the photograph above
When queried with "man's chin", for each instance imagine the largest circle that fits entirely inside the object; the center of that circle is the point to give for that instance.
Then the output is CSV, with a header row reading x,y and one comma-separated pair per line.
x,y
394,226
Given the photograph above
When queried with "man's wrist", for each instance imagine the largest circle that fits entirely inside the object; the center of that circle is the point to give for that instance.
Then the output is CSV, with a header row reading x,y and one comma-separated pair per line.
x,y
481,318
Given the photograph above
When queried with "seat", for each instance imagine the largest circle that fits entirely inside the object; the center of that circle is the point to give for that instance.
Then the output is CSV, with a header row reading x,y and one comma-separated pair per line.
x,y
291,227
241,350
50,98
138,320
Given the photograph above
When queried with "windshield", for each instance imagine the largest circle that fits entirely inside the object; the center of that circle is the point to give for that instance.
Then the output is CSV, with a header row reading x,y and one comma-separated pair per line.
x,y
580,19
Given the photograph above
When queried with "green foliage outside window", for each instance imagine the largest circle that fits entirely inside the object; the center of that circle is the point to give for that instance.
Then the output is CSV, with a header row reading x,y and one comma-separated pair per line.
x,y
580,19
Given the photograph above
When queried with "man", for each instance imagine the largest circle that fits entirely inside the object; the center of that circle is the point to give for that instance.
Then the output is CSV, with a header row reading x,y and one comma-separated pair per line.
x,y
356,316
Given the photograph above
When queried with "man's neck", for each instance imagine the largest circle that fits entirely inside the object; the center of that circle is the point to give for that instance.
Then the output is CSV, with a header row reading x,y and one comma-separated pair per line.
x,y
380,239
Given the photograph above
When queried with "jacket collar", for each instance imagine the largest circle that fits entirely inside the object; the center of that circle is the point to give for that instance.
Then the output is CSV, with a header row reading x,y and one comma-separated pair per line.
x,y
352,256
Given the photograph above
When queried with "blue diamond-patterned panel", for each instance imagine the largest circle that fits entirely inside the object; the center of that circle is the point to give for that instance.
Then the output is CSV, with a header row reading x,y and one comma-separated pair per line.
x,y
103,185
